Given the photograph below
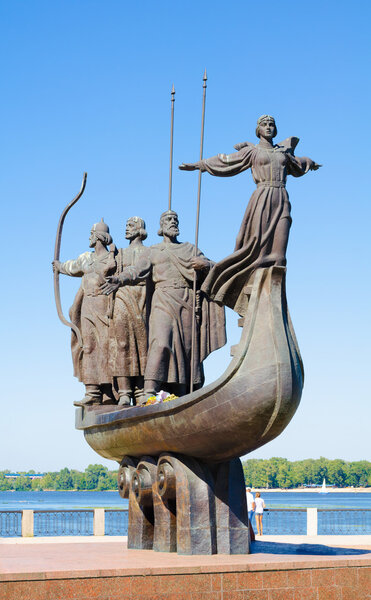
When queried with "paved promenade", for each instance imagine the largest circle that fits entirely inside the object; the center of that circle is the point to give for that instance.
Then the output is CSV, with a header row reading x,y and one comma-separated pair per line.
x,y
96,554
279,568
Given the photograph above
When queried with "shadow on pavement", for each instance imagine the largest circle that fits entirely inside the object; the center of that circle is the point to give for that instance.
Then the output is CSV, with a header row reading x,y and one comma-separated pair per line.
x,y
260,547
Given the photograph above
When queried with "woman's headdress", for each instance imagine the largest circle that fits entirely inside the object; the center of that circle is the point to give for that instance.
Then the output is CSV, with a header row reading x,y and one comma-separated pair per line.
x,y
263,118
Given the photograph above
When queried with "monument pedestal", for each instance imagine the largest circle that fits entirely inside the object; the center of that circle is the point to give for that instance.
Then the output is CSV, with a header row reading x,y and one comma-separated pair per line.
x,y
180,504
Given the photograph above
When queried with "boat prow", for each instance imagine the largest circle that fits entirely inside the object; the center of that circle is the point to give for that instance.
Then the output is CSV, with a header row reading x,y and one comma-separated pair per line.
x,y
248,406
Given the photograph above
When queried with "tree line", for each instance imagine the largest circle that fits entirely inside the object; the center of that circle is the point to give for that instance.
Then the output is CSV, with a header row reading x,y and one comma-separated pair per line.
x,y
281,473
269,473
94,478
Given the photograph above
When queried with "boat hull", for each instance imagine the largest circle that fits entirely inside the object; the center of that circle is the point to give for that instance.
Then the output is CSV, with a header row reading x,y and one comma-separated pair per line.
x,y
248,406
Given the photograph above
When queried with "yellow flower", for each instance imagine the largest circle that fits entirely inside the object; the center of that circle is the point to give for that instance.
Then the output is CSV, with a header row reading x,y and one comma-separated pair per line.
x,y
171,397
151,400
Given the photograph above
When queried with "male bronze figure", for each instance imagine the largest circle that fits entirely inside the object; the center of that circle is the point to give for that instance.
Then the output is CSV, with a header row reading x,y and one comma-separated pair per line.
x,y
129,352
171,264
92,313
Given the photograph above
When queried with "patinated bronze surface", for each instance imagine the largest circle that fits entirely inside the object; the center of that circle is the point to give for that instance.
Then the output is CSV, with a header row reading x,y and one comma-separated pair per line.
x,y
129,332
248,406
179,460
263,236
91,312
170,266
195,502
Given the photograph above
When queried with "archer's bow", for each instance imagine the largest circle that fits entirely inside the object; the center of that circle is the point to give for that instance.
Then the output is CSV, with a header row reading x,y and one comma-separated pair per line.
x,y
56,257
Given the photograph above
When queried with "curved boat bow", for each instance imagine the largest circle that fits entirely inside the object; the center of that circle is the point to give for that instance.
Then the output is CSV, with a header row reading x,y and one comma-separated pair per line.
x,y
248,406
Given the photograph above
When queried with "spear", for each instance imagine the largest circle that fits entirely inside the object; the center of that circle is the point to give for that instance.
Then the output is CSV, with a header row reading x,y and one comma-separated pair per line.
x,y
171,145
196,234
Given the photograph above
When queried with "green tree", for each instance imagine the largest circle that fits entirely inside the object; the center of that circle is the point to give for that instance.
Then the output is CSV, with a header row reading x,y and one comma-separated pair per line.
x,y
336,472
64,480
5,483
79,482
36,484
279,472
103,483
359,474
48,482
22,484
92,474
284,476
112,475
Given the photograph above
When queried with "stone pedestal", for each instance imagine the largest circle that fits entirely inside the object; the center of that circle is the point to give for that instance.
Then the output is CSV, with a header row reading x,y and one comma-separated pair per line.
x,y
179,504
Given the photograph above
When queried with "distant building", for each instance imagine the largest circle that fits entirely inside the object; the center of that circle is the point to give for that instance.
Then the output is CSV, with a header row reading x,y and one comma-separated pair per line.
x,y
29,475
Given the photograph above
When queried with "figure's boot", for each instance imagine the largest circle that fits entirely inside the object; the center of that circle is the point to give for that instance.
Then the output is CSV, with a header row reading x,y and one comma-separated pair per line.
x,y
93,395
124,391
139,396
107,394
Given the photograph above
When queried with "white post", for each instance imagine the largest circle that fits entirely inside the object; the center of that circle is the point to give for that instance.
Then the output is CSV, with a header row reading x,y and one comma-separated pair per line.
x,y
98,524
312,521
27,523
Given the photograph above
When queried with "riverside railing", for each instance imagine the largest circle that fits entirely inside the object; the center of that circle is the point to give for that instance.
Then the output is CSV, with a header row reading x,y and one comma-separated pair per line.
x,y
114,522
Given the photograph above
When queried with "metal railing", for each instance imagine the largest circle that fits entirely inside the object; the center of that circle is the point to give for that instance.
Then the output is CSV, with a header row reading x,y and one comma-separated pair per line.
x,y
10,523
344,521
114,522
281,521
63,522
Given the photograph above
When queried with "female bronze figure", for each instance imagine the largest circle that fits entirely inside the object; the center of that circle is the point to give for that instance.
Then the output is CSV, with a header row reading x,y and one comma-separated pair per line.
x,y
264,232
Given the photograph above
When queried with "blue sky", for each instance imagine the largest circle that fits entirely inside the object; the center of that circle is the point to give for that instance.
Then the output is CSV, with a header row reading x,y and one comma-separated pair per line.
x,y
86,87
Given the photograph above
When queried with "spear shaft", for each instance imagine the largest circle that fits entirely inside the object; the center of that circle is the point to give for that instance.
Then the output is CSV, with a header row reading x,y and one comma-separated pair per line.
x,y
171,145
196,233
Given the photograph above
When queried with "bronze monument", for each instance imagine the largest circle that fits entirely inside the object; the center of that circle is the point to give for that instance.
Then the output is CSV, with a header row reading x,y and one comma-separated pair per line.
x,y
179,460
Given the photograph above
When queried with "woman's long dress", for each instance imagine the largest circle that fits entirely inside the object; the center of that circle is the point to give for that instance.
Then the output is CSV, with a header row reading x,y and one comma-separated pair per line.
x,y
268,205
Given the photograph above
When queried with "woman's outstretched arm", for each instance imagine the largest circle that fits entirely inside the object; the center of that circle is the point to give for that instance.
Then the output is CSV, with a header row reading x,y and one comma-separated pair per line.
x,y
224,165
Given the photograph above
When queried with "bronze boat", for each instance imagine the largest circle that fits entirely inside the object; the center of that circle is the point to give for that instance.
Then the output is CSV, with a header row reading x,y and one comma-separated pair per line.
x,y
248,406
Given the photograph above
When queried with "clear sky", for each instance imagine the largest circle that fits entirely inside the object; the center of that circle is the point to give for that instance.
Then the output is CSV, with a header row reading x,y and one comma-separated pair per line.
x,y
86,87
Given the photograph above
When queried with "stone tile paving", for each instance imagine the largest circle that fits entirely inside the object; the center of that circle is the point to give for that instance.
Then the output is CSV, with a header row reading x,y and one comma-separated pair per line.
x,y
274,571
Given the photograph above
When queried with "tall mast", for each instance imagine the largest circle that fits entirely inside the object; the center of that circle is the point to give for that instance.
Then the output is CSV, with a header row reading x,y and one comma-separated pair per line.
x,y
196,233
171,145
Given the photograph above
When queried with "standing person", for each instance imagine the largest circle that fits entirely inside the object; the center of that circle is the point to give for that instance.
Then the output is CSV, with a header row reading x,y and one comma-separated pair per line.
x,y
92,313
129,342
171,265
250,503
264,232
259,509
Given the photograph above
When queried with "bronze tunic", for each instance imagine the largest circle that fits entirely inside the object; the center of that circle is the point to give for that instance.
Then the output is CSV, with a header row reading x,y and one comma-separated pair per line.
x,y
170,322
92,313
129,345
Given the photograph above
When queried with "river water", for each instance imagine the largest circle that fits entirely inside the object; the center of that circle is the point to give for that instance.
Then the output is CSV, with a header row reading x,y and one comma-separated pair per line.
x,y
75,500
337,518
